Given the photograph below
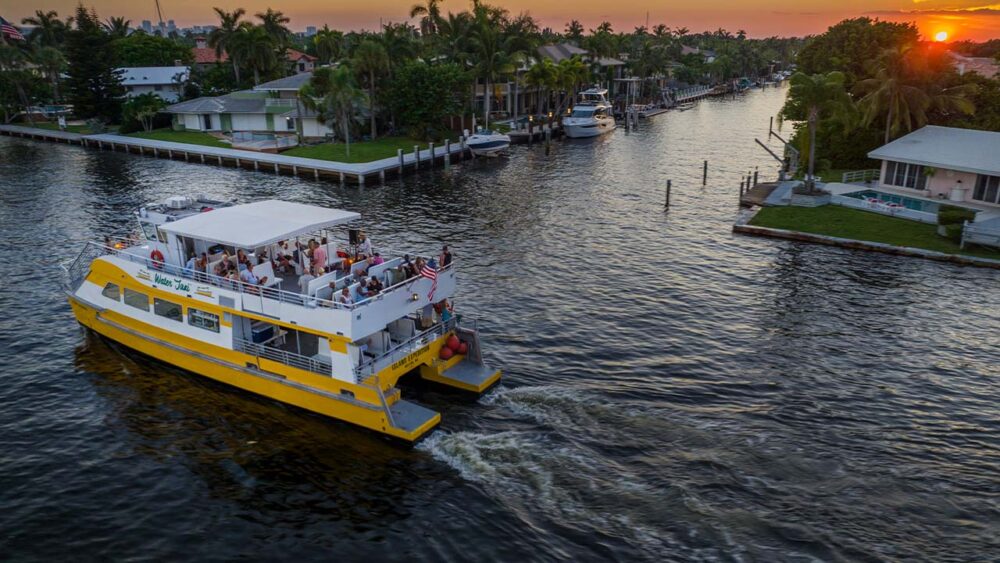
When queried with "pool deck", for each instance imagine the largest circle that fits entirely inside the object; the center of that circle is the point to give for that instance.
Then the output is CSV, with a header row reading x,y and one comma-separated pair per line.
x,y
344,171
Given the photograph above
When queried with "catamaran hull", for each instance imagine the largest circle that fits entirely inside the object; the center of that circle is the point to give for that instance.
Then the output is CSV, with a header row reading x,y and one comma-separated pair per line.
x,y
249,373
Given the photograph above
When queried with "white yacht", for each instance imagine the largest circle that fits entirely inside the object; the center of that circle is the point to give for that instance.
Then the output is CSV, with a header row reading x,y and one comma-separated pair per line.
x,y
592,115
486,143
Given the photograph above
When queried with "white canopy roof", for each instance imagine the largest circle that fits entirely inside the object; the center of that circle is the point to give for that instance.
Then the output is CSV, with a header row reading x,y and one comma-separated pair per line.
x,y
257,224
949,148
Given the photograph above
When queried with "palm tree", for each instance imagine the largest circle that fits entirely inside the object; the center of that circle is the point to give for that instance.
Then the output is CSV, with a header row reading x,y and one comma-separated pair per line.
x,y
13,63
542,75
371,58
254,46
229,26
274,24
570,73
496,52
117,27
335,96
329,44
49,30
894,93
814,97
431,12
574,32
52,63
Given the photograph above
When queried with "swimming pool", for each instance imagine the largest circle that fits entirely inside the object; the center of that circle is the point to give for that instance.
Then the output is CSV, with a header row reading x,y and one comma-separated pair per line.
x,y
907,202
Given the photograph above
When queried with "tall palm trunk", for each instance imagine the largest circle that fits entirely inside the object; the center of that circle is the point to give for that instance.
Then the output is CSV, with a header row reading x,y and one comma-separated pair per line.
x,y
256,76
888,122
812,148
486,104
236,70
371,97
24,100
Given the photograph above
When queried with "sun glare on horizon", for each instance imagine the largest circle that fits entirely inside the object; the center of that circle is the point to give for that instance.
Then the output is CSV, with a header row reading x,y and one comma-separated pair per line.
x,y
941,36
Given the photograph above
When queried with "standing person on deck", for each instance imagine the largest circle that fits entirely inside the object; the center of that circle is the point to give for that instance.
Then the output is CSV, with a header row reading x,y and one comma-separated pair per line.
x,y
364,248
445,258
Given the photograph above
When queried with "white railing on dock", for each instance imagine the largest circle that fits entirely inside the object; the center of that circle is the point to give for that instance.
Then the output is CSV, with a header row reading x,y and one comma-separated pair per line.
x,y
865,176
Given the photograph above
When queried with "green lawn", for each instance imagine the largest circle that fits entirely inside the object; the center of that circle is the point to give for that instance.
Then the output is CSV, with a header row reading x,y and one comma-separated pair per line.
x,y
189,137
82,129
843,222
365,151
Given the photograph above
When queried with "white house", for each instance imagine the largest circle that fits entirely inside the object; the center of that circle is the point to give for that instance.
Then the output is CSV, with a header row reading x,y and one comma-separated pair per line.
x,y
270,109
961,165
164,81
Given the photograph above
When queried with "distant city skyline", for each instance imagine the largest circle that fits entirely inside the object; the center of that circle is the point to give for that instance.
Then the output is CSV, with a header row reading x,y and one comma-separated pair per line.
x,y
960,19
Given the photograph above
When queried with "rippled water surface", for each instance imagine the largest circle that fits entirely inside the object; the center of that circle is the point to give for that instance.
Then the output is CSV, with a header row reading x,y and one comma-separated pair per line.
x,y
671,391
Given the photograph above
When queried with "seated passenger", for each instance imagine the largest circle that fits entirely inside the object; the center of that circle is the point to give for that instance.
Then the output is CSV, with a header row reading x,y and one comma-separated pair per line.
x,y
246,275
241,258
307,277
345,297
374,286
221,268
407,268
189,267
377,259
363,288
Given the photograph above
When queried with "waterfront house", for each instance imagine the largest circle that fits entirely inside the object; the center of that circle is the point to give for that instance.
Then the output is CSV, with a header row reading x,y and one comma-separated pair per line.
x,y
205,56
270,109
961,165
301,62
986,66
164,81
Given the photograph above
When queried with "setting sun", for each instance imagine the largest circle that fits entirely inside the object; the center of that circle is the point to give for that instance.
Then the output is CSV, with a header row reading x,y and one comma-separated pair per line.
x,y
941,36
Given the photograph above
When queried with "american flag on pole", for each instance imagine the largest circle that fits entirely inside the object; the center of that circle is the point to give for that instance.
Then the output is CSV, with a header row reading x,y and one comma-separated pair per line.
x,y
430,272
7,29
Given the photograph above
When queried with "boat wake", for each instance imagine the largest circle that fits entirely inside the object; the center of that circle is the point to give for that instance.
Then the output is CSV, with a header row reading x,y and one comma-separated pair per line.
x,y
556,473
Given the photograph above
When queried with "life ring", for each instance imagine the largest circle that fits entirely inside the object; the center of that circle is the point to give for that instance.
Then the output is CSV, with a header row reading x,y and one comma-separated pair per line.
x,y
157,257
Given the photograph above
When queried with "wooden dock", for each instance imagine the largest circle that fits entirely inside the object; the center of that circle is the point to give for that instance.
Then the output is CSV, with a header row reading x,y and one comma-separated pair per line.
x,y
535,133
358,173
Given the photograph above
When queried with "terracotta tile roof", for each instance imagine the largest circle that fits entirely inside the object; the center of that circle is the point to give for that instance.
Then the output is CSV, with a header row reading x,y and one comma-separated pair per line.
x,y
206,55
294,55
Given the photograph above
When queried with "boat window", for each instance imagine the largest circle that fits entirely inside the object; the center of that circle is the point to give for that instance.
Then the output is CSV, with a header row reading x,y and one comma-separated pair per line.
x,y
111,291
582,112
167,309
202,319
137,299
148,229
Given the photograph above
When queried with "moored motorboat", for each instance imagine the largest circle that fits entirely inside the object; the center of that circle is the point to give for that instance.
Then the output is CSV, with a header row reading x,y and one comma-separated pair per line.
x,y
591,116
486,142
214,288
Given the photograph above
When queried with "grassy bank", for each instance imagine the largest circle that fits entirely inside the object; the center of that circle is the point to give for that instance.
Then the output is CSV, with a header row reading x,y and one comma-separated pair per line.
x,y
81,129
365,151
843,222
189,137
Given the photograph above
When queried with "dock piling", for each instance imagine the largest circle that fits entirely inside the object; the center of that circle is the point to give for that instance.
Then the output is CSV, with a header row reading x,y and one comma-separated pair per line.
x,y
755,172
548,140
399,155
416,157
430,147
704,173
666,204
447,153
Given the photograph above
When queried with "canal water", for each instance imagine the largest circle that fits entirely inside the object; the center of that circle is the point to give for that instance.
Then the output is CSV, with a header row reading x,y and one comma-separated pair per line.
x,y
671,391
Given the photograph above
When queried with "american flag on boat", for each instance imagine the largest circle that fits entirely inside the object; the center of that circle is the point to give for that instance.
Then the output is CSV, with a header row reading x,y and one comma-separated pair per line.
x,y
7,29
430,272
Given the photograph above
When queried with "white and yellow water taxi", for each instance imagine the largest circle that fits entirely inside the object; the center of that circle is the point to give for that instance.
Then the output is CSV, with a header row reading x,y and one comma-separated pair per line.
x,y
313,341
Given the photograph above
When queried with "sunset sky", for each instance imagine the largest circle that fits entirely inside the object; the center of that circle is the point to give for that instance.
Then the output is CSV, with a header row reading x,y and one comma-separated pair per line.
x,y
961,19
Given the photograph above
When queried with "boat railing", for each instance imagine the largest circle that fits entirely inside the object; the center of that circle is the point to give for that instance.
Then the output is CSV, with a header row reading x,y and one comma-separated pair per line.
x,y
316,365
401,350
78,269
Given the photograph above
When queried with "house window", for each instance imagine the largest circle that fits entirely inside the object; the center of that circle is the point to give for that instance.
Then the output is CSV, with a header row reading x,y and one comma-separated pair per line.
x,y
302,67
290,123
167,309
111,292
137,299
987,189
905,175
201,319
158,87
